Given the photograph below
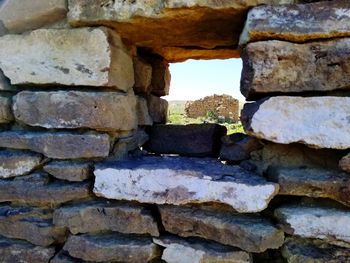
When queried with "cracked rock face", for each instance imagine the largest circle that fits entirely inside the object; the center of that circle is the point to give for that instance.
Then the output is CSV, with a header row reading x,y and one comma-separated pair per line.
x,y
182,180
319,122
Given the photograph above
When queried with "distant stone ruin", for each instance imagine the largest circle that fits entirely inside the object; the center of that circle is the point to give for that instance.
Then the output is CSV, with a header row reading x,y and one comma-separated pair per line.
x,y
223,106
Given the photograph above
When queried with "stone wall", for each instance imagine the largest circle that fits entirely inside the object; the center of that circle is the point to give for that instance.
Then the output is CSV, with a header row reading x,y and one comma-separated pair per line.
x,y
90,173
223,106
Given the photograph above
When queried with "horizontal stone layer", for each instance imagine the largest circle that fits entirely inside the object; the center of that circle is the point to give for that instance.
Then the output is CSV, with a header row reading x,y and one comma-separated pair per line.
x,y
59,145
250,233
327,19
176,180
75,57
105,111
283,67
70,171
104,216
319,122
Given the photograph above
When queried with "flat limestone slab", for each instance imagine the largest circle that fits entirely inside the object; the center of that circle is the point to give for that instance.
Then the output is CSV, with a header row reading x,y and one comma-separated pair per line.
x,y
179,181
75,57
319,122
283,67
327,19
70,171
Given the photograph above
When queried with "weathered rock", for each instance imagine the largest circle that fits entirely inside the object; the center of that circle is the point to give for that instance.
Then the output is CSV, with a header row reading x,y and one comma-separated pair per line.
x,y
31,224
59,145
176,180
5,84
319,122
18,16
283,67
105,111
344,163
143,75
197,251
15,163
158,109
190,140
104,216
238,146
327,19
6,115
68,170
24,252
52,56
298,250
250,233
161,77
37,190
63,257
317,183
144,118
329,224
111,247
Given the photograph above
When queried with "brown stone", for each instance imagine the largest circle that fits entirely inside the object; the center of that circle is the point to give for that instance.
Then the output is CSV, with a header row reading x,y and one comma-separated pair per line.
x,y
6,115
158,109
144,118
113,247
143,75
161,77
106,216
70,171
189,140
344,163
248,232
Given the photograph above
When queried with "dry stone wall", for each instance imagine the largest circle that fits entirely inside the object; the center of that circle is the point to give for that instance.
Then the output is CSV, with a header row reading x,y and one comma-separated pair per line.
x,y
90,173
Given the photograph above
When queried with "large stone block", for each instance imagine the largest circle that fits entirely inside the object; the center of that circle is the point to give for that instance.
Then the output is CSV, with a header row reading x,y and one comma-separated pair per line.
x,y
74,57
250,233
190,140
319,122
283,67
158,109
112,248
105,111
60,145
161,77
104,216
144,118
176,180
143,75
6,115
327,19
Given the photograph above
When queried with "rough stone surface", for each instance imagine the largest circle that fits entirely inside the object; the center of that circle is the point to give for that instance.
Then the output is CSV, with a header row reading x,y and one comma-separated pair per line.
x,y
344,163
24,252
63,257
18,16
31,224
15,163
68,170
189,140
319,122
196,251
283,67
112,247
250,233
104,216
105,111
312,183
5,84
143,75
52,56
329,224
297,250
59,145
144,118
6,115
158,109
176,180
327,19
161,77
37,190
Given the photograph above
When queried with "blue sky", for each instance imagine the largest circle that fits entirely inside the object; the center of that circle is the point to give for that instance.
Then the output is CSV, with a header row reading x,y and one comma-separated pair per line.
x,y
195,79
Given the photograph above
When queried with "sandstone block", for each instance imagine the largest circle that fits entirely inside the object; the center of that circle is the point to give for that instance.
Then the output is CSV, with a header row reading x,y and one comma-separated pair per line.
x,y
104,216
189,140
196,251
329,224
24,252
15,163
31,224
60,145
315,21
105,111
344,163
75,57
161,77
37,190
158,109
250,233
6,115
143,75
144,118
70,171
176,180
319,122
111,247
